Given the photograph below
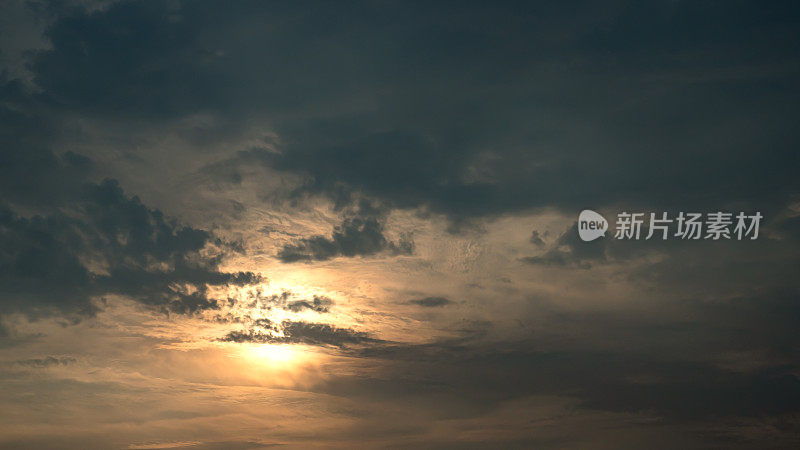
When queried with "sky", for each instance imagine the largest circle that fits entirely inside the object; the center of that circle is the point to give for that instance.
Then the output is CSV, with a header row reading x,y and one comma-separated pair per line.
x,y
249,224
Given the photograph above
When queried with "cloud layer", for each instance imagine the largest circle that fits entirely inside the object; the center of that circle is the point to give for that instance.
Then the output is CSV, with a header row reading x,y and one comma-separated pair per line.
x,y
407,174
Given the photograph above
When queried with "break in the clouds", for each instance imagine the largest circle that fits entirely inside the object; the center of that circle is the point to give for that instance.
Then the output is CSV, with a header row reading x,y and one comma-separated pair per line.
x,y
360,221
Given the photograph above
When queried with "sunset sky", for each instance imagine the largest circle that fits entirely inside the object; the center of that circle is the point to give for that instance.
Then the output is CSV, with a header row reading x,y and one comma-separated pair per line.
x,y
257,224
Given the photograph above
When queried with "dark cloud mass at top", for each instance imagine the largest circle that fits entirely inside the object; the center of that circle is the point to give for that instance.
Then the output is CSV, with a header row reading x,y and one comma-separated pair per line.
x,y
479,111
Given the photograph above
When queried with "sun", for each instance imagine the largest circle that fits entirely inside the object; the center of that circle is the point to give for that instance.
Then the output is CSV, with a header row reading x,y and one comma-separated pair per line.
x,y
275,354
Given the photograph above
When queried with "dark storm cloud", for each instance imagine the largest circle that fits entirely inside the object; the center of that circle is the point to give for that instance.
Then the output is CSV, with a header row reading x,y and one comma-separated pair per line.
x,y
30,172
108,243
319,334
431,302
355,236
66,239
491,109
598,120
361,233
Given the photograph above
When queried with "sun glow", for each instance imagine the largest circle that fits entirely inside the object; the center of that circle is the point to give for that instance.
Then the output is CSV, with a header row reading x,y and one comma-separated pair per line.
x,y
277,356
275,353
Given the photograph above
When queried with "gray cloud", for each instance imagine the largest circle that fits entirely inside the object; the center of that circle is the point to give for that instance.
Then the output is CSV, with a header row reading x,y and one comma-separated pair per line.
x,y
136,250
318,334
675,390
320,304
537,238
431,302
355,236
50,361
67,239
483,125
569,251
286,300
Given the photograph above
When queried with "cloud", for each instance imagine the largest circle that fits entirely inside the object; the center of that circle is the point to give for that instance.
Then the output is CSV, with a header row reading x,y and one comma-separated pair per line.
x,y
108,244
483,125
318,334
672,390
68,240
50,361
495,110
569,251
537,238
355,236
431,302
320,304
285,300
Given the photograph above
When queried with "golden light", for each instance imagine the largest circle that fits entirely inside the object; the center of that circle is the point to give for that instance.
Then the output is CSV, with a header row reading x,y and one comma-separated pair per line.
x,y
277,354
273,365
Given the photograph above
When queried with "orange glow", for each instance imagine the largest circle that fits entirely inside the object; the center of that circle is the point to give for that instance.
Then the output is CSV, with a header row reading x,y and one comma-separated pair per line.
x,y
275,354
